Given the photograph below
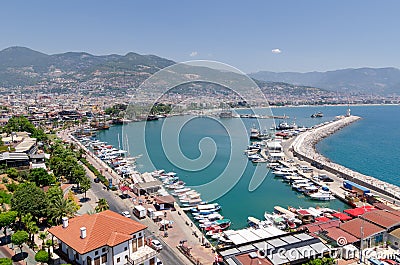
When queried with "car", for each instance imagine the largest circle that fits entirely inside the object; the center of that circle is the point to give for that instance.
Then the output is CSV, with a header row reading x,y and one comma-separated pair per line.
x,y
156,244
97,180
126,214
159,262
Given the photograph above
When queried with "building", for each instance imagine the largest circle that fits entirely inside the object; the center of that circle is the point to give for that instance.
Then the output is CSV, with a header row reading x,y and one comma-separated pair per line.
x,y
19,160
369,233
105,238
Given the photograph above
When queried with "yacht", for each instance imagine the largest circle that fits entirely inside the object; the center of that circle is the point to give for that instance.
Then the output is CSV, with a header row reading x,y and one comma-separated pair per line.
x,y
322,195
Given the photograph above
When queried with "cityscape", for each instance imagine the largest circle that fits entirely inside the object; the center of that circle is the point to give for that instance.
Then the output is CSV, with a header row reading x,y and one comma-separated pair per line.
x,y
262,144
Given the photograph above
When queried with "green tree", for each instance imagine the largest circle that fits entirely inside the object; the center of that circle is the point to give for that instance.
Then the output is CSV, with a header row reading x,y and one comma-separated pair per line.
x,y
30,227
19,238
5,261
28,198
102,205
59,206
6,219
43,236
12,173
40,177
85,184
42,256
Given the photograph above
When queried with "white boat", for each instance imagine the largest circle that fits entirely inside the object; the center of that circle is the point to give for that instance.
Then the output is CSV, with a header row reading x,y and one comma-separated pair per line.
x,y
322,195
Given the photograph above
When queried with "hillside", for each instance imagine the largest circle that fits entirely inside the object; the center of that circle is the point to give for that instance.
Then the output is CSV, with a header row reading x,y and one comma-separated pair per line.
x,y
377,81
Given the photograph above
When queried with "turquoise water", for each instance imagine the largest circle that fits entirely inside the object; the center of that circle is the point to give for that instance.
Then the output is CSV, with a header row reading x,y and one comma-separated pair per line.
x,y
208,153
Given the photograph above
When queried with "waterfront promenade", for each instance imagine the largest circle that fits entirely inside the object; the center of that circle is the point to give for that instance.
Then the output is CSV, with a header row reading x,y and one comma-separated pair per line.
x,y
303,147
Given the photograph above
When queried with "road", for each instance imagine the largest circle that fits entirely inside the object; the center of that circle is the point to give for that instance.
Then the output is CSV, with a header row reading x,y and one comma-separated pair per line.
x,y
166,255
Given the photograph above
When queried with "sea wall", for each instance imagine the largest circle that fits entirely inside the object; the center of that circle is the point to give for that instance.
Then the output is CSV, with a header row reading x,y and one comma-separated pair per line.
x,y
304,147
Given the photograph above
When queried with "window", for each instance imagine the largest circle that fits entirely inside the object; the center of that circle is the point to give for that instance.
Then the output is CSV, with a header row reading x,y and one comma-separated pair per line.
x,y
104,258
96,253
97,261
134,245
103,250
140,242
118,259
153,261
125,248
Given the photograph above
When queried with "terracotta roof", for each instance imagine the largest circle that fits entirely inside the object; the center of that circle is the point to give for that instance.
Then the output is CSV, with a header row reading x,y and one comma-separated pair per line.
x,y
245,259
102,229
354,227
382,218
382,206
336,233
314,227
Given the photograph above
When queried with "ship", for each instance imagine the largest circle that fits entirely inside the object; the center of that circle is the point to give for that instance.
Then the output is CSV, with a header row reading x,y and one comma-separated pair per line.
x,y
317,115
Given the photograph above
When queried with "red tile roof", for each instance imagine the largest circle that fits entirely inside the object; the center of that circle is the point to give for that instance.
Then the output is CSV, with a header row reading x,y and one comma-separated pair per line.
x,y
102,229
336,233
382,218
322,219
165,199
354,227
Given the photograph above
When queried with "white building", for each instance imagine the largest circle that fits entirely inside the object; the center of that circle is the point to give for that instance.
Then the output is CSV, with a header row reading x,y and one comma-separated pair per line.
x,y
103,238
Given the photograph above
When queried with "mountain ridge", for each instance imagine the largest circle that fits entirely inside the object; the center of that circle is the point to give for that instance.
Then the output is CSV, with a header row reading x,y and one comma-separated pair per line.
x,y
367,80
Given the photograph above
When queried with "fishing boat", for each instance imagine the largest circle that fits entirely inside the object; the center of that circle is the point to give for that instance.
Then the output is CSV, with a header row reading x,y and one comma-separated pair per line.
x,y
254,133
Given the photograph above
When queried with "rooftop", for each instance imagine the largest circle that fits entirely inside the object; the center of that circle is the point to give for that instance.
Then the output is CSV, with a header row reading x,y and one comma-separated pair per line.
x,y
102,229
354,227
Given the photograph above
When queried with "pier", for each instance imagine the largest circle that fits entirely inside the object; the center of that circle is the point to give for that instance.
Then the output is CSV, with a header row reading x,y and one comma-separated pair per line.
x,y
303,147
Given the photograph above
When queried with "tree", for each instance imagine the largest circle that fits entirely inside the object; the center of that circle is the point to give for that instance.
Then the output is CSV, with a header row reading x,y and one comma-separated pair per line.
x,y
19,238
30,226
6,219
40,177
42,256
43,236
28,198
102,205
12,173
5,261
85,184
60,207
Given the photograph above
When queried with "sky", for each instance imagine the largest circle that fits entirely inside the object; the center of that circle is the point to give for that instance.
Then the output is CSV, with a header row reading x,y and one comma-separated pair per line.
x,y
280,35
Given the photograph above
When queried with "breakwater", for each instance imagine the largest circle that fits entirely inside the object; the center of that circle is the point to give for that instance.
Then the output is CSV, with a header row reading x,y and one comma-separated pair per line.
x,y
304,147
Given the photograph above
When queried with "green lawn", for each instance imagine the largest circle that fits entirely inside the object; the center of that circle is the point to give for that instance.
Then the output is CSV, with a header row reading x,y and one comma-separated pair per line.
x,y
4,148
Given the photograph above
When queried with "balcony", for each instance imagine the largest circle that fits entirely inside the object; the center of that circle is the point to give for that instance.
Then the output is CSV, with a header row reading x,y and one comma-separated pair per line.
x,y
141,255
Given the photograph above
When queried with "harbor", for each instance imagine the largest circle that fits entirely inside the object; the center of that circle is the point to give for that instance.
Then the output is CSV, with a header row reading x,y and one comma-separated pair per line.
x,y
305,176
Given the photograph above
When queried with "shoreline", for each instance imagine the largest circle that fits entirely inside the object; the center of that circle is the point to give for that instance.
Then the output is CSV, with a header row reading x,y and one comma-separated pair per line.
x,y
304,146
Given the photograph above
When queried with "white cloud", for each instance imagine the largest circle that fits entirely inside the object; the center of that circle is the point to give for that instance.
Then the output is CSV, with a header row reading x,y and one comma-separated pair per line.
x,y
276,51
193,54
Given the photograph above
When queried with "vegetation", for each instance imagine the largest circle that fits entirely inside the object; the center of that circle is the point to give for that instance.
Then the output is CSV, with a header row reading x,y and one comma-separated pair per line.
x,y
6,219
22,124
5,261
95,171
59,206
160,108
322,261
28,198
116,109
102,205
42,256
41,178
19,238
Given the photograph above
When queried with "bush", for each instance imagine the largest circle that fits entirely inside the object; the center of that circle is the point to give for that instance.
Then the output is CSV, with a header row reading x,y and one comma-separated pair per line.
x,y
95,171
42,256
11,187
5,261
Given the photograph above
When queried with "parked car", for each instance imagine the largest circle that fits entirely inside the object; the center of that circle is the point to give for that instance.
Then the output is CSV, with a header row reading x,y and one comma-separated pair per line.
x,y
156,244
97,180
159,262
126,214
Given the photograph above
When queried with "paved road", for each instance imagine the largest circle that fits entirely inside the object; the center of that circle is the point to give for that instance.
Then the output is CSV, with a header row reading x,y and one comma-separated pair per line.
x,y
116,204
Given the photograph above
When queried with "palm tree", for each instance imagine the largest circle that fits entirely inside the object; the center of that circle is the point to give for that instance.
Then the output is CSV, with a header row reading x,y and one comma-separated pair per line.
x,y
61,207
43,236
102,205
30,226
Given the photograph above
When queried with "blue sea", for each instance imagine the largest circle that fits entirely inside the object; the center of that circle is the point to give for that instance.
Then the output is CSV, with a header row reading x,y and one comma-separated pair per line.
x,y
207,153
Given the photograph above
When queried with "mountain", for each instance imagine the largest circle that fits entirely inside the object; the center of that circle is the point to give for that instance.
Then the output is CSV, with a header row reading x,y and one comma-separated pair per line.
x,y
20,66
378,81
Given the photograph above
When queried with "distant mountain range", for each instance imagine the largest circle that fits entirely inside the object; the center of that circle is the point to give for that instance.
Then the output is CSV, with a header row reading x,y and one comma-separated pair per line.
x,y
377,81
21,66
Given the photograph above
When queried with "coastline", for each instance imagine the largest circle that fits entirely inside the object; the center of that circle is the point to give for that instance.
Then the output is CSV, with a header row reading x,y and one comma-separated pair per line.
x,y
304,147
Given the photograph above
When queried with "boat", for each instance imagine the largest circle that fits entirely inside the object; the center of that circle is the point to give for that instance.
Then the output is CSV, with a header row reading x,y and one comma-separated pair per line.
x,y
285,126
254,133
322,195
317,115
277,220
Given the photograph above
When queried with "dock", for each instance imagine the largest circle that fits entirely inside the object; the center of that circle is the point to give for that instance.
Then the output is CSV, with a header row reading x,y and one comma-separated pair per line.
x,y
303,148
